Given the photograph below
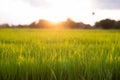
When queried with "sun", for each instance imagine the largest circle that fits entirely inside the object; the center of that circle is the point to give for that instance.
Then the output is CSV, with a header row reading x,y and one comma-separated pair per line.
x,y
60,10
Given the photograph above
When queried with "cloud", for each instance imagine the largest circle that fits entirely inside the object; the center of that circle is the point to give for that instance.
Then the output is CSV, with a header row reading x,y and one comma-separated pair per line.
x,y
107,4
36,3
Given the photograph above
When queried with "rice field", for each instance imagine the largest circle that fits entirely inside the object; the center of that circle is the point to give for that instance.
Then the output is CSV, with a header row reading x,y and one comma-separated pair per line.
x,y
34,54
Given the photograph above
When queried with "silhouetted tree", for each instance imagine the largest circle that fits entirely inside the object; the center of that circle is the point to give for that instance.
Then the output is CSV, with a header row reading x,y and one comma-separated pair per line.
x,y
69,23
105,24
43,24
73,25
4,26
87,26
32,25
117,26
97,25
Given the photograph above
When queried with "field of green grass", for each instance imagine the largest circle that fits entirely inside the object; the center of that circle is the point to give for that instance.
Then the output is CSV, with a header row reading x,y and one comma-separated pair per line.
x,y
34,54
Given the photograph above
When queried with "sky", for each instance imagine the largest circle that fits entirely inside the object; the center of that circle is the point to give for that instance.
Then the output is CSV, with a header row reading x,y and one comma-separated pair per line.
x,y
27,11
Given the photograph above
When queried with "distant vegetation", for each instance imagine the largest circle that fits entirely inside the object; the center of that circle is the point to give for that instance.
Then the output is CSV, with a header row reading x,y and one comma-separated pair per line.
x,y
68,24
108,24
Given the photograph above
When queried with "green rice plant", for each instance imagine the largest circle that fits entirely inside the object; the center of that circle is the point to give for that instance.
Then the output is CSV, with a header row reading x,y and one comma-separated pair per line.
x,y
40,54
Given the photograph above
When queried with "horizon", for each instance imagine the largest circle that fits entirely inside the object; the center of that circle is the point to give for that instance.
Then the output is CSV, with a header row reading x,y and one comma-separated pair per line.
x,y
27,11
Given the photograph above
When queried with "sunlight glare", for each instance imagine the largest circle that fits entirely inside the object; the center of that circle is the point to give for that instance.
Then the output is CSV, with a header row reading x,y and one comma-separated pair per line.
x,y
60,10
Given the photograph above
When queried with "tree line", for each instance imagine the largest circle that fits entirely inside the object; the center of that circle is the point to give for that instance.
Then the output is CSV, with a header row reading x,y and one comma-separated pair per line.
x,y
68,24
107,24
